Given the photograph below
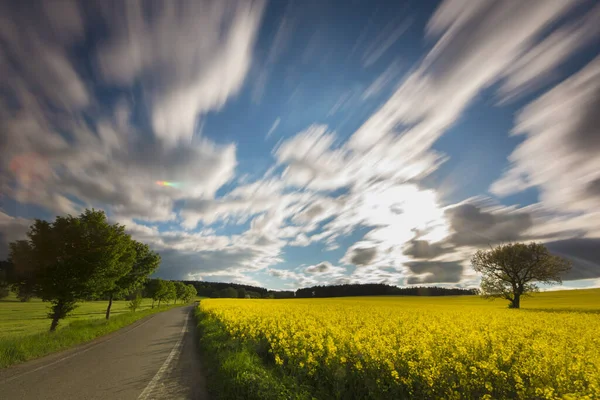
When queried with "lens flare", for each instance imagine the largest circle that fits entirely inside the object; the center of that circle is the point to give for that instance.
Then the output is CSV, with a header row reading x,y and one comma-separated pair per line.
x,y
167,183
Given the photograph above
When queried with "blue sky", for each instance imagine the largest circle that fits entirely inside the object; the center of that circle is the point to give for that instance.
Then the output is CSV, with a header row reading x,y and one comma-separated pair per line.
x,y
308,142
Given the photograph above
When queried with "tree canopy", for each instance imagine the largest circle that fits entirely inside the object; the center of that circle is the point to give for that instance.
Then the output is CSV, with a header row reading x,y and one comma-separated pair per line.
x,y
145,262
72,258
511,270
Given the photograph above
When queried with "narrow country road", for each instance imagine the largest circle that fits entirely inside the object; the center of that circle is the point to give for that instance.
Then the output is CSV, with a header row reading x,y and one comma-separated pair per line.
x,y
155,358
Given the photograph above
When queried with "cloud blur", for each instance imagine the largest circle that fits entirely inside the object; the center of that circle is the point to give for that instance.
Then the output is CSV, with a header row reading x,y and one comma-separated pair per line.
x,y
123,95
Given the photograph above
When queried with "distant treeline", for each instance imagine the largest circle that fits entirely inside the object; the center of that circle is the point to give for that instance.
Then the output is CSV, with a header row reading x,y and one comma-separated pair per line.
x,y
234,290
379,289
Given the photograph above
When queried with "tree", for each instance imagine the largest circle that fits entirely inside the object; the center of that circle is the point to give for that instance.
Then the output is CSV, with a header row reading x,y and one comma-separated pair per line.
x,y
21,272
163,291
180,290
71,259
145,262
4,283
190,293
152,289
509,271
170,292
135,303
241,293
227,293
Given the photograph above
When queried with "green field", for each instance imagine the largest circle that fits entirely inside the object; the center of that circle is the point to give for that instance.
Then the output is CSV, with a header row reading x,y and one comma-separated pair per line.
x,y
24,326
582,300
18,319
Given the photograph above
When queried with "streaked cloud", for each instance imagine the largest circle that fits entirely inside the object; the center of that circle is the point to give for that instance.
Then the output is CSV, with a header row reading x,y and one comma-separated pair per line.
x,y
141,108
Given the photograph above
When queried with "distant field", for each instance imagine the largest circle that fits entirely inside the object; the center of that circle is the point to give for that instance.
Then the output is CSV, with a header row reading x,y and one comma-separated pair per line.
x,y
17,319
586,300
461,347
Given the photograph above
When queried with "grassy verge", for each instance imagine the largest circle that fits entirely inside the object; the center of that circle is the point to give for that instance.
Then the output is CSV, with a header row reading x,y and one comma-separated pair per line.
x,y
236,371
17,349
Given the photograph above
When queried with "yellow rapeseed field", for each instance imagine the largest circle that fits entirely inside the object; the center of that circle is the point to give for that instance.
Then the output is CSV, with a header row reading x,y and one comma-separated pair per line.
x,y
394,347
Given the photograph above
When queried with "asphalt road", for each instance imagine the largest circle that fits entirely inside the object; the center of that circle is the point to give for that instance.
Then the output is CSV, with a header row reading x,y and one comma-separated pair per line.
x,y
155,358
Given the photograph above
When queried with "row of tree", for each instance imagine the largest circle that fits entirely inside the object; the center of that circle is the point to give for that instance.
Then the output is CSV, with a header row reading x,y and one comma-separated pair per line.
x,y
77,258
379,289
165,291
236,290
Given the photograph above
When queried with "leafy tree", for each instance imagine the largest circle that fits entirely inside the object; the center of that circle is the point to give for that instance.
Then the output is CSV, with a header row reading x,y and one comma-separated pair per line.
x,y
227,293
170,292
241,293
71,258
151,289
145,262
252,294
180,290
4,290
4,284
21,272
163,291
509,271
190,293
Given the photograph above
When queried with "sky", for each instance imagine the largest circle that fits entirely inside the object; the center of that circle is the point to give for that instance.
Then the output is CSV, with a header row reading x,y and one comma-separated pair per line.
x,y
286,144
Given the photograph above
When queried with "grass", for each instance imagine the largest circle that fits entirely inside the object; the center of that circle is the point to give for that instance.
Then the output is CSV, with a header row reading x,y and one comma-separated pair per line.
x,y
244,369
24,326
236,371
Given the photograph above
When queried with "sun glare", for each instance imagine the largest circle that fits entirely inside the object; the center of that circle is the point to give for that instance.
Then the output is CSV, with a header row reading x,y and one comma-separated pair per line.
x,y
401,212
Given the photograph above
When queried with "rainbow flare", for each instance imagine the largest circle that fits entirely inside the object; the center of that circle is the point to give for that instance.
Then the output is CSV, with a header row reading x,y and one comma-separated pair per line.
x,y
167,183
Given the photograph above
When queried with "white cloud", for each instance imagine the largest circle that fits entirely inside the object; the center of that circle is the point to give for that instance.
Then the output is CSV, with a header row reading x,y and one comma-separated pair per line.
x,y
62,149
384,41
539,63
560,154
273,127
190,56
478,41
383,81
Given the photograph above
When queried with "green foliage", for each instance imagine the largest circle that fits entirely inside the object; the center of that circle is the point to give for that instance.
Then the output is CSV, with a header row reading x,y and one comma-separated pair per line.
x,y
4,290
151,289
144,263
170,291
4,283
71,259
135,303
161,290
509,271
20,270
237,372
180,290
227,293
190,293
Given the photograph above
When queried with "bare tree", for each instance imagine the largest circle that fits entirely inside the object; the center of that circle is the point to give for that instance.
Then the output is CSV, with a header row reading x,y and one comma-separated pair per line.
x,y
510,270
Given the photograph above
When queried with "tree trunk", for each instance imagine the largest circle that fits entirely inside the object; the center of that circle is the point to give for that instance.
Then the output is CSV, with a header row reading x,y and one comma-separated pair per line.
x,y
57,312
110,299
54,323
516,303
158,303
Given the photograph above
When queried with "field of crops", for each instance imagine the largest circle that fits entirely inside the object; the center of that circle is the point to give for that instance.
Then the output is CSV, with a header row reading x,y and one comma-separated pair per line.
x,y
398,347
